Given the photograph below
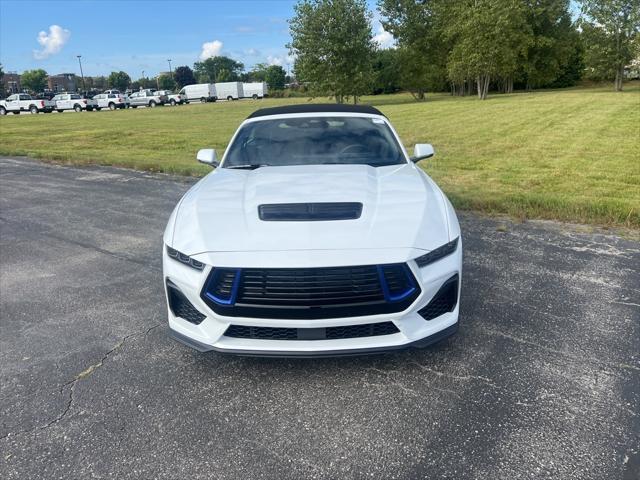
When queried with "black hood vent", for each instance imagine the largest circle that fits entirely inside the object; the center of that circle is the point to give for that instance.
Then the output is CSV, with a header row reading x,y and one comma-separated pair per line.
x,y
309,212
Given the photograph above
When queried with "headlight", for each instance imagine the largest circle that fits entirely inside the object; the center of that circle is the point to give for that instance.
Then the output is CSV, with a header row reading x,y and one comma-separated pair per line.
x,y
186,259
437,254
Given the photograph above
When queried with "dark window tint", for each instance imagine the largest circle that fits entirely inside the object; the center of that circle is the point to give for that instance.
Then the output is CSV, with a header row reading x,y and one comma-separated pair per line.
x,y
315,141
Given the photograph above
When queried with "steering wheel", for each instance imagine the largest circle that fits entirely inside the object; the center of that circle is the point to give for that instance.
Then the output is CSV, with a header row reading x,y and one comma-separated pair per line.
x,y
357,148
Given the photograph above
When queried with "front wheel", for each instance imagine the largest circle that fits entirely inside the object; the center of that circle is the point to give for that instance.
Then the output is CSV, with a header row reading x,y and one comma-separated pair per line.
x,y
203,100
112,106
229,98
33,109
172,102
255,97
77,108
152,104
3,111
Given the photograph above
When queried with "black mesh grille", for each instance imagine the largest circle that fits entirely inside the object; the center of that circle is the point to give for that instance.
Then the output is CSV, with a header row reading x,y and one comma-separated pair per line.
x,y
181,307
443,301
309,287
329,333
305,212
311,293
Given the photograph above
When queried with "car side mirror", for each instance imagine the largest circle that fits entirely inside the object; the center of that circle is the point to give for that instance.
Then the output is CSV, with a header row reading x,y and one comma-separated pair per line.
x,y
208,157
422,151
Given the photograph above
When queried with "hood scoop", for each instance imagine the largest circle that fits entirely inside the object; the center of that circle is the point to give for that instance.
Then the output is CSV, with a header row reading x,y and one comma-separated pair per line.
x,y
309,212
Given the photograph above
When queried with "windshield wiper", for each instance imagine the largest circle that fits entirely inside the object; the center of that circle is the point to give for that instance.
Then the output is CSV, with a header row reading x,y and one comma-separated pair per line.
x,y
248,166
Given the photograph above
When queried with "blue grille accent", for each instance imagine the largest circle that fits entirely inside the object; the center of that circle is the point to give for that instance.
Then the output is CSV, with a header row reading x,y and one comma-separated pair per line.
x,y
222,286
396,281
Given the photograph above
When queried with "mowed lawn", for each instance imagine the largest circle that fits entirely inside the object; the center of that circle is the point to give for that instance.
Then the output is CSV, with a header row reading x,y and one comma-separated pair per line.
x,y
570,154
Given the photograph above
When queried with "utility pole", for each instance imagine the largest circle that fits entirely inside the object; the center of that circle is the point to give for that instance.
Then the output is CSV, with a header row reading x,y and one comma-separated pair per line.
x,y
81,74
170,72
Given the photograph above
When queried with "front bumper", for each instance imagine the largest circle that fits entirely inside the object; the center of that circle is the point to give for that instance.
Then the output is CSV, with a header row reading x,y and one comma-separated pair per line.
x,y
413,329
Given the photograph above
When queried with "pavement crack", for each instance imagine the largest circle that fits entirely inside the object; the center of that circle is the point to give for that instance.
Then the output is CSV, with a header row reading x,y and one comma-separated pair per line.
x,y
87,372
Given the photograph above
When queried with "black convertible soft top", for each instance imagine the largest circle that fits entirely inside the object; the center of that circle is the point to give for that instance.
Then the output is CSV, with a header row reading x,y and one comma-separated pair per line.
x,y
316,108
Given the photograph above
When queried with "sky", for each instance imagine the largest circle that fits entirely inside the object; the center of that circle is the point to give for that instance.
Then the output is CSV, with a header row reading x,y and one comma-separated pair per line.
x,y
137,36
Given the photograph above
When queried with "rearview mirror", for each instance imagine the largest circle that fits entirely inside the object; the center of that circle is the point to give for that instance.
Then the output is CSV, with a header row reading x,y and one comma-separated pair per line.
x,y
422,151
208,157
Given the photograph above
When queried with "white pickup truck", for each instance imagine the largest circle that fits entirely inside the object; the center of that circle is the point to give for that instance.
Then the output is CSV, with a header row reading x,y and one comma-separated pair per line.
x,y
73,101
21,102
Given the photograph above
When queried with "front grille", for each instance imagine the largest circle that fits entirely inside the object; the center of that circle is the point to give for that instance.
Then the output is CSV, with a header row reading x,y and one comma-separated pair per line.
x,y
310,293
309,212
443,301
329,333
181,307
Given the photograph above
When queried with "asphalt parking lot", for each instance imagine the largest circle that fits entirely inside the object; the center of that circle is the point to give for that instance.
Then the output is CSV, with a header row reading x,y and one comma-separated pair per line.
x,y
542,380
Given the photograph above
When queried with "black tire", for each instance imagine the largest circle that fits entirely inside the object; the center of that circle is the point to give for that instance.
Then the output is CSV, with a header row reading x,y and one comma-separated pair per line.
x,y
3,111
229,98
60,111
112,106
172,102
77,108
16,112
33,109
152,104
203,100
255,96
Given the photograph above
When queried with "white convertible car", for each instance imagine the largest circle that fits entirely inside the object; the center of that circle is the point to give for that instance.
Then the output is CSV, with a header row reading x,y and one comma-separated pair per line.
x,y
317,235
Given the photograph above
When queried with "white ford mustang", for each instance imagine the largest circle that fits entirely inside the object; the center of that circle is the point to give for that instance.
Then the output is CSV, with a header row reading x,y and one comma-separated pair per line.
x,y
316,235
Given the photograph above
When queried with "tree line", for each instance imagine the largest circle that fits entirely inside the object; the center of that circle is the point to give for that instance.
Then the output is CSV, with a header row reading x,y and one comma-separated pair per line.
x,y
211,70
463,46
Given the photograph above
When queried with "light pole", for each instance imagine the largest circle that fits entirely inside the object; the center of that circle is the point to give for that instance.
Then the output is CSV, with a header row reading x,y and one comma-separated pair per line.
x,y
81,74
170,72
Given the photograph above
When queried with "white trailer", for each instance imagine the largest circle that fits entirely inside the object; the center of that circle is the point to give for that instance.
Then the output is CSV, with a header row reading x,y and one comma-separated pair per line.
x,y
255,90
200,92
229,90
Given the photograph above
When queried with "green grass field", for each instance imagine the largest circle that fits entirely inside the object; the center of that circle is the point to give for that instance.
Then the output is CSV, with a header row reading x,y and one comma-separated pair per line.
x,y
571,155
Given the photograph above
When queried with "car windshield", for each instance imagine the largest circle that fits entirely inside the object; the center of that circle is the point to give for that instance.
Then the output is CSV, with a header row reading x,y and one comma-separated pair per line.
x,y
315,141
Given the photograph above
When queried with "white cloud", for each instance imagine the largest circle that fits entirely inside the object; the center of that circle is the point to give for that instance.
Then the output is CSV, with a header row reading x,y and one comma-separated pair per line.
x,y
52,42
211,49
271,60
382,38
253,52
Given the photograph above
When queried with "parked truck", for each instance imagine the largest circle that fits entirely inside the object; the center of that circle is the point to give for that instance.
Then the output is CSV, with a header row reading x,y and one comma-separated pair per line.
x,y
21,102
229,90
200,92
254,90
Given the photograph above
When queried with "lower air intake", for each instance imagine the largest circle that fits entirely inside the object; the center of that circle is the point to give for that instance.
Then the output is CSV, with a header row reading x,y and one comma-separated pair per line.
x,y
181,307
329,333
443,301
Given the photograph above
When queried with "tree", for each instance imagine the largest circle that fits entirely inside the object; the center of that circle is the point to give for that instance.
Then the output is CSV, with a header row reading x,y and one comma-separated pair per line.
x,y
275,76
422,50
119,80
258,73
610,29
34,80
218,69
333,46
553,43
183,76
489,41
386,65
166,82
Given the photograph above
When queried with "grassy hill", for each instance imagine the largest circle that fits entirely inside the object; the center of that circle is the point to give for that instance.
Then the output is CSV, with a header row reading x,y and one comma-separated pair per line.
x,y
570,154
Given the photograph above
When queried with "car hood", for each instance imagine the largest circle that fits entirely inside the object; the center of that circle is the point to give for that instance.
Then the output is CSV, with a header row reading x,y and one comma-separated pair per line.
x,y
402,209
